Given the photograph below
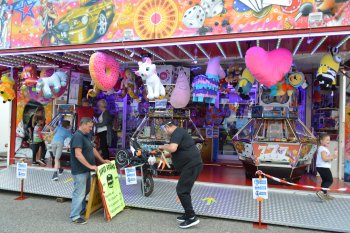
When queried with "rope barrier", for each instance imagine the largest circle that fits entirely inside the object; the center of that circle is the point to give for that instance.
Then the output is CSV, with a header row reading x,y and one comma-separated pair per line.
x,y
299,185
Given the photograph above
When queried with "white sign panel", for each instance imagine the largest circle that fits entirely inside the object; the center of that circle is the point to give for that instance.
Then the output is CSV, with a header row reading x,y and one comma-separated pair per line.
x,y
21,170
130,174
260,188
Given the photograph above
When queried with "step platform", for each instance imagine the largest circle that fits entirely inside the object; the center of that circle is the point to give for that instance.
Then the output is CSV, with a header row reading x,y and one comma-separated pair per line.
x,y
284,207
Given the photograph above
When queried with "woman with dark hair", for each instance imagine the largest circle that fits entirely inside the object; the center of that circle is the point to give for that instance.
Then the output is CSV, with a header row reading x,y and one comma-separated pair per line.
x,y
104,128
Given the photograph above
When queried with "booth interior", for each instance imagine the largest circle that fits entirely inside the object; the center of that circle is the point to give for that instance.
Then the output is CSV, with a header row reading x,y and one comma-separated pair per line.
x,y
241,124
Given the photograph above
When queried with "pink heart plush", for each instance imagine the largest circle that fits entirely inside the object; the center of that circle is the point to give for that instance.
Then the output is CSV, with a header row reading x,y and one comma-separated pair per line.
x,y
268,67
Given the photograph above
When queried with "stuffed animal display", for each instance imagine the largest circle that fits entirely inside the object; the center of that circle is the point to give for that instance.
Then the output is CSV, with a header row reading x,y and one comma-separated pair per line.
x,y
289,84
328,70
129,85
29,75
268,67
245,84
51,84
206,87
181,95
6,89
148,72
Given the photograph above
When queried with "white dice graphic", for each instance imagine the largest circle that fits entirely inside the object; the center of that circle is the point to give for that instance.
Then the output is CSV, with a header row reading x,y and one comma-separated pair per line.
x,y
212,8
194,17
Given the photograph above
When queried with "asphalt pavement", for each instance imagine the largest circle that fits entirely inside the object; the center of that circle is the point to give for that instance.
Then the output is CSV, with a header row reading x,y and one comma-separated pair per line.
x,y
39,214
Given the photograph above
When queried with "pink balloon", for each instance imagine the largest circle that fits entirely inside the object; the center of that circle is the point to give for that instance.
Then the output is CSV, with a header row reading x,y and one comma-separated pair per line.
x,y
268,67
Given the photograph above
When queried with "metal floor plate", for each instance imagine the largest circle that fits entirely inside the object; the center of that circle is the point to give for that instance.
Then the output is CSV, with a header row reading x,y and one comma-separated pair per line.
x,y
298,209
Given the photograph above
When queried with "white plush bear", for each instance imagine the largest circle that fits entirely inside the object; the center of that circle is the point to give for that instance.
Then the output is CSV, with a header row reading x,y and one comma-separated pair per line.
x,y
56,82
148,72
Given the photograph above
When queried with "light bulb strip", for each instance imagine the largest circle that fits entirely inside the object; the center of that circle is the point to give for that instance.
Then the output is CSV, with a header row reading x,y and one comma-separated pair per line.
x,y
83,58
278,43
298,45
153,53
8,63
57,58
319,45
239,49
203,51
123,55
186,52
36,59
221,50
169,52
343,41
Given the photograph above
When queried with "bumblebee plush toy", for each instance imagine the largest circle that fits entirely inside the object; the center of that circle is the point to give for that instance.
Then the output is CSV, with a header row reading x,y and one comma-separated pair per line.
x,y
328,70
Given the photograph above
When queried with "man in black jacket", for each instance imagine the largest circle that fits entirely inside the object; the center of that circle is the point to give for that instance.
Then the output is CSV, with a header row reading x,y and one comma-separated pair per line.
x,y
188,162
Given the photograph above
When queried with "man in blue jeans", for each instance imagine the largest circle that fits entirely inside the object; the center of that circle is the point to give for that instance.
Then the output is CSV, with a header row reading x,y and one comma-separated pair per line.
x,y
82,159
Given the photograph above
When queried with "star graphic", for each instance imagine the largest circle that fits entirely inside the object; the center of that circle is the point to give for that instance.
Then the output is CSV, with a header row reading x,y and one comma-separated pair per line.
x,y
25,7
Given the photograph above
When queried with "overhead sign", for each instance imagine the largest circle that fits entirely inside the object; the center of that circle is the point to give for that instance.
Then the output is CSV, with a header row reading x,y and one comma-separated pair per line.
x,y
111,193
21,171
130,175
260,189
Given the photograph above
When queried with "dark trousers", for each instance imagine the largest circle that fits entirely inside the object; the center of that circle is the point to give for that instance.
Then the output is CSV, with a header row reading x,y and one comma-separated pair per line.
x,y
188,176
327,178
103,144
35,148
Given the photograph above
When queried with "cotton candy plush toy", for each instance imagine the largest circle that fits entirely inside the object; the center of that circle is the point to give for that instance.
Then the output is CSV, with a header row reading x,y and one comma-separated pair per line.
x,y
245,84
148,72
206,87
6,89
181,94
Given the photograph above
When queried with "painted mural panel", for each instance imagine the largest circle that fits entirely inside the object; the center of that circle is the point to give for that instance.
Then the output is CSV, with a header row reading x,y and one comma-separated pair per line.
x,y
58,22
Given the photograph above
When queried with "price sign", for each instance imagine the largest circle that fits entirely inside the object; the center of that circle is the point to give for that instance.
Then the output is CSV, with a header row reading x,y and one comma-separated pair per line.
x,y
130,174
21,170
260,188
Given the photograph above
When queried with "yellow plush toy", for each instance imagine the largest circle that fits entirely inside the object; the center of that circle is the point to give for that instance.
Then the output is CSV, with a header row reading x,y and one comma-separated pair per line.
x,y
328,70
6,88
245,84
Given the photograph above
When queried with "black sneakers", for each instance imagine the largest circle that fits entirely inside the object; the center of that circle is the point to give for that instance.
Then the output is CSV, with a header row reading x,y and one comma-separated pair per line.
x,y
60,171
55,176
80,221
189,222
181,218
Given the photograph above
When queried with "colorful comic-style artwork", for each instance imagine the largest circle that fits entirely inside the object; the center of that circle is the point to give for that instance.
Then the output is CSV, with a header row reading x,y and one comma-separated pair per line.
x,y
57,22
347,145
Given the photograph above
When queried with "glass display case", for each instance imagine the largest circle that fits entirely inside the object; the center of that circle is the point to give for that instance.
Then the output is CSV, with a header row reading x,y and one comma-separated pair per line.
x,y
279,144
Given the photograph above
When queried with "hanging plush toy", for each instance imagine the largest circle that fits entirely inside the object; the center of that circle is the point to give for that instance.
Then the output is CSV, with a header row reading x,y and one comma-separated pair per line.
x,y
328,70
206,87
52,84
6,89
268,67
233,74
148,72
245,84
181,95
29,75
287,86
129,86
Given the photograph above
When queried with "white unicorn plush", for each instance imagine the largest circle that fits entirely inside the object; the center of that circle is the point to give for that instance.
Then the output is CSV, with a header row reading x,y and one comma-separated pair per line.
x,y
56,81
148,72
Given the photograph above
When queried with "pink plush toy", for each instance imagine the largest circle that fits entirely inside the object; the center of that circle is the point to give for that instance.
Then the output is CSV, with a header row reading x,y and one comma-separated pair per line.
x,y
181,94
268,67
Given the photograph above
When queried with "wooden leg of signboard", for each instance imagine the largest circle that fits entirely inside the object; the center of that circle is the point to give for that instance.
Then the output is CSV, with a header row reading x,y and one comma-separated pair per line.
x,y
95,200
21,197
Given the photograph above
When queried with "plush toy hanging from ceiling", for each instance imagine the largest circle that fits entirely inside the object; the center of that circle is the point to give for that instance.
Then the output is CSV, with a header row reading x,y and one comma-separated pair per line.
x,y
148,73
206,87
52,85
287,86
233,75
6,88
245,84
129,85
181,94
104,71
328,70
268,67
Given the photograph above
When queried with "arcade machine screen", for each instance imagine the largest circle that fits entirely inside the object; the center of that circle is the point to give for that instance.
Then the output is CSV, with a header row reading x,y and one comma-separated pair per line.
x,y
275,131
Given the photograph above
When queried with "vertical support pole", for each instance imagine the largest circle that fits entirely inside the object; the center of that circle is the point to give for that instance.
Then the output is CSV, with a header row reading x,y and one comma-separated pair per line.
x,y
260,225
13,125
125,112
341,136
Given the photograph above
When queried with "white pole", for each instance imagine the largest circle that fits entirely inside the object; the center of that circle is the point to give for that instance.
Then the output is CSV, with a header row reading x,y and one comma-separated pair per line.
x,y
341,145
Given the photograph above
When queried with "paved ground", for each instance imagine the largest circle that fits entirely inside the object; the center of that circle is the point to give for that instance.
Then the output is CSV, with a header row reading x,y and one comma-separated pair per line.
x,y
39,214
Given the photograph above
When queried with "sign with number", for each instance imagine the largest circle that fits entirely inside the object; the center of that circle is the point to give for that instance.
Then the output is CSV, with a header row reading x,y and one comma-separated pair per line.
x,y
260,188
112,195
130,174
21,170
